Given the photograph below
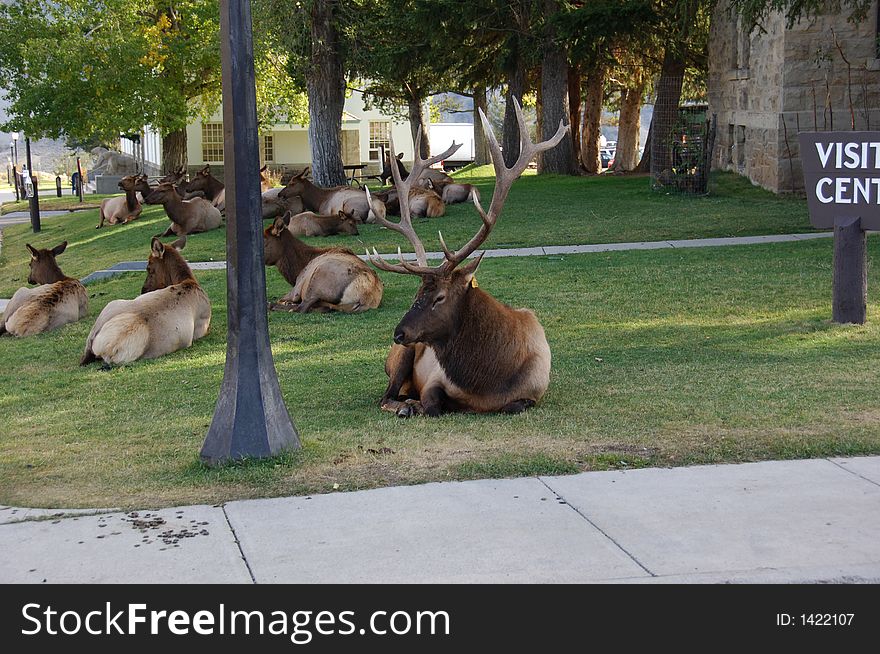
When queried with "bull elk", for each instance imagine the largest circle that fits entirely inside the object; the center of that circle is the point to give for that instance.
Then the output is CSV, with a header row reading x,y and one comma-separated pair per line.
x,y
458,349
326,200
171,312
124,208
187,216
57,300
323,279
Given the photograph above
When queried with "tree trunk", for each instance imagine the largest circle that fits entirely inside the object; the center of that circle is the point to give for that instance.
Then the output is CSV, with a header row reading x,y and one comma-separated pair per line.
x,y
554,99
325,86
516,88
416,120
593,100
173,151
481,143
627,154
658,150
574,110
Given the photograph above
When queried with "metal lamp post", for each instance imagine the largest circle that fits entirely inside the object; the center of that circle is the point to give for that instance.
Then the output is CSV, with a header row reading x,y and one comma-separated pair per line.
x,y
35,194
14,151
250,419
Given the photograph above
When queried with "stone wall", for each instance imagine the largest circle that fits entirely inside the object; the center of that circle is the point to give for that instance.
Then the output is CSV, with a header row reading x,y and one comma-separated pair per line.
x,y
768,86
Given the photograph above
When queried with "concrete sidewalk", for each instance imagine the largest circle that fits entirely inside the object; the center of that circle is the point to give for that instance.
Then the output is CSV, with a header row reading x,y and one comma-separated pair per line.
x,y
783,521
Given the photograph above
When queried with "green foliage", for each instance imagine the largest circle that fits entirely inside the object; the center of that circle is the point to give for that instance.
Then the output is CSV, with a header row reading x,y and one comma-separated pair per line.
x,y
755,12
91,70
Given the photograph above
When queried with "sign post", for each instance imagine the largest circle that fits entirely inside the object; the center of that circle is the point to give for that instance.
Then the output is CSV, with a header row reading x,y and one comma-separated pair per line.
x,y
842,181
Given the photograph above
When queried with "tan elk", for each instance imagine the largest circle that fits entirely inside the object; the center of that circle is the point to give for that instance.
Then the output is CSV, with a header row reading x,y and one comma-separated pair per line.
x,y
422,202
308,223
323,279
171,313
204,182
326,201
458,349
57,300
449,190
122,209
187,216
273,205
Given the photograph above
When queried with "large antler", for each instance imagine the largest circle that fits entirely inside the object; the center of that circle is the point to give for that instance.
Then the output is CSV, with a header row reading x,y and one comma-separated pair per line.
x,y
404,225
504,178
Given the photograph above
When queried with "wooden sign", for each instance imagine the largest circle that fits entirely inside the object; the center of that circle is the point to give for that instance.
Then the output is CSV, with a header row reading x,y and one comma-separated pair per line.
x,y
842,177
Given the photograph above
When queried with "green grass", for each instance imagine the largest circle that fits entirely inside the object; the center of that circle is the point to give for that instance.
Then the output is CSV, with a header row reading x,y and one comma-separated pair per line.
x,y
540,211
53,203
668,357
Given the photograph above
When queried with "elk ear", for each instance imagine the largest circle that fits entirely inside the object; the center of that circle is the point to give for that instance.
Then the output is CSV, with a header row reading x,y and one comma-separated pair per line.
x,y
32,250
58,249
468,270
400,156
305,172
279,225
180,243
263,169
157,247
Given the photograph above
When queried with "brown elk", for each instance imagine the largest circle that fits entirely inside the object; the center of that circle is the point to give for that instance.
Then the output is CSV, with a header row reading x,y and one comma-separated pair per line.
x,y
308,223
386,167
449,190
57,300
171,313
265,179
458,349
326,200
323,279
124,208
273,205
212,187
422,202
187,216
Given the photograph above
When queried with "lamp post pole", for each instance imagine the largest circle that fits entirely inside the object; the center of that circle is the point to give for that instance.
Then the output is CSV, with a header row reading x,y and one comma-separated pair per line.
x,y
250,419
35,198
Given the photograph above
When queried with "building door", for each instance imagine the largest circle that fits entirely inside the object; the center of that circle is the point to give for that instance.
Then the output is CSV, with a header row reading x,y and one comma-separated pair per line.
x,y
351,147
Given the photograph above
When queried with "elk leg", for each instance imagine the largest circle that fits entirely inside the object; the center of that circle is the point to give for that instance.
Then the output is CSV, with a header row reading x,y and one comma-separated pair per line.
x,y
399,367
517,406
88,357
433,399
167,232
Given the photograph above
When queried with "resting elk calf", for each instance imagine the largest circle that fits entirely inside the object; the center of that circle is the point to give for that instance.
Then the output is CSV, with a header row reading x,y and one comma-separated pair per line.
x,y
57,301
172,312
458,349
187,216
124,208
323,279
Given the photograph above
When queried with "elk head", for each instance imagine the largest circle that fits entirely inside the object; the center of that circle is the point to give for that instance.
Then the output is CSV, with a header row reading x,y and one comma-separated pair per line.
x,y
135,183
175,177
273,239
166,266
161,194
348,224
44,269
295,186
200,180
436,309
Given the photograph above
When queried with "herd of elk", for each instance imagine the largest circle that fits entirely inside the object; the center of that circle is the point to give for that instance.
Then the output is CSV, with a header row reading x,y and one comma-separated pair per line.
x,y
171,312
458,349
187,216
327,201
57,300
323,279
124,208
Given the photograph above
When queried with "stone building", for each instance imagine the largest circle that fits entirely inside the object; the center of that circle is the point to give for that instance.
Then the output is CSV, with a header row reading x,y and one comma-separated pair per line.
x,y
768,83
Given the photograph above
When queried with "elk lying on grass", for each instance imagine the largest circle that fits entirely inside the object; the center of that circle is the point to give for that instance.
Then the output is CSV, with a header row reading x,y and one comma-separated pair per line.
x,y
449,190
273,205
212,187
458,349
323,279
422,202
172,312
57,301
124,208
326,200
308,223
187,216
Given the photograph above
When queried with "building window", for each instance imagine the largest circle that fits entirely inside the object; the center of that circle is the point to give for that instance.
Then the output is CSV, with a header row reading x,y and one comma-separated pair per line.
x,y
212,142
380,136
267,144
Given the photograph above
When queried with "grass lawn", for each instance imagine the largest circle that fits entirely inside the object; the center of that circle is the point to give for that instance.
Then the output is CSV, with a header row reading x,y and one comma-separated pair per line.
x,y
53,203
540,211
665,357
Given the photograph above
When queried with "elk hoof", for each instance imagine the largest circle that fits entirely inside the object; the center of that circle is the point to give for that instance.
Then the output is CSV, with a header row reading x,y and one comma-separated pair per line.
x,y
410,408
